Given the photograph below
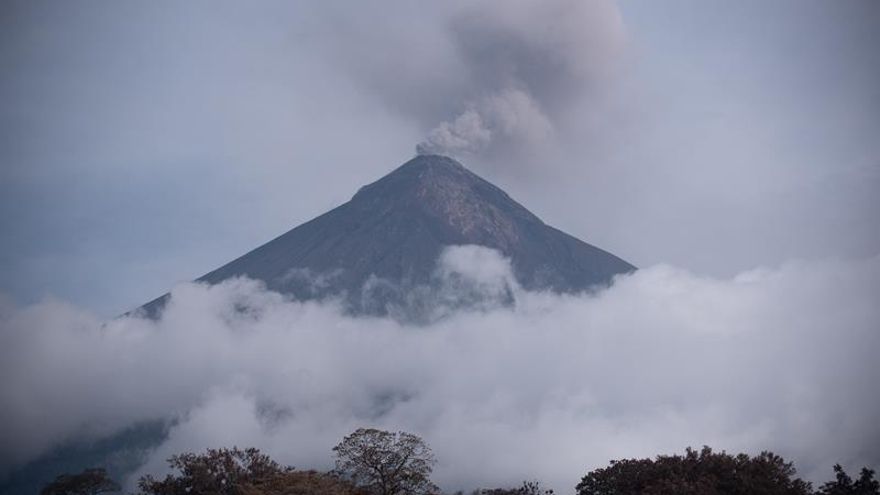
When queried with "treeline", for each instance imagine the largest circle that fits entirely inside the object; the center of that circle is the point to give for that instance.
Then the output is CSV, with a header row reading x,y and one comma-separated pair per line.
x,y
376,462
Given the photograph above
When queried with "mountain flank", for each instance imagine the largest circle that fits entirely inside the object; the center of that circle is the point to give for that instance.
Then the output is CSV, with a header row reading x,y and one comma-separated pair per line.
x,y
385,242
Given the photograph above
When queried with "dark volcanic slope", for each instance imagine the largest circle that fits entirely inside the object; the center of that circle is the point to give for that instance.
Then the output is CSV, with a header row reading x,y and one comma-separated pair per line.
x,y
395,228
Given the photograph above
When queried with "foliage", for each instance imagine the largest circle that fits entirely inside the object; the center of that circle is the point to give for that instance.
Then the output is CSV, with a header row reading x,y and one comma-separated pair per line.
x,y
696,473
844,485
527,488
386,463
89,482
216,472
376,462
301,483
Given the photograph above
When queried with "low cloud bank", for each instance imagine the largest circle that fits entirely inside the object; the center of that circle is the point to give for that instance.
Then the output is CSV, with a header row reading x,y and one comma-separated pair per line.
x,y
783,359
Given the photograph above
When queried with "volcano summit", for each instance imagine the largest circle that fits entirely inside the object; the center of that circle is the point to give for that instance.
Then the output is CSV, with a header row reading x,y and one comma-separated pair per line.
x,y
376,250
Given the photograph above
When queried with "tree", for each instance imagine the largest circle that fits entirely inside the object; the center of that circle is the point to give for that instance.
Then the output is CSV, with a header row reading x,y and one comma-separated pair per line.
x,y
301,483
89,482
386,463
216,472
527,488
844,485
696,473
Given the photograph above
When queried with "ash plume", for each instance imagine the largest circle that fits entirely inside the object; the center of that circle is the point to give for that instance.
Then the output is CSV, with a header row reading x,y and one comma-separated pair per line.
x,y
524,63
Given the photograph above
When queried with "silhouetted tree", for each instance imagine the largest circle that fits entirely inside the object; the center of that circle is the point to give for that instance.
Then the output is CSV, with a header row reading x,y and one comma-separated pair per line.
x,y
696,473
216,472
89,482
844,485
386,463
527,488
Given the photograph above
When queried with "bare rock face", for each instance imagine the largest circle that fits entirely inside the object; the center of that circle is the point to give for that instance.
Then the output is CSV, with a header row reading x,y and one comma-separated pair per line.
x,y
384,244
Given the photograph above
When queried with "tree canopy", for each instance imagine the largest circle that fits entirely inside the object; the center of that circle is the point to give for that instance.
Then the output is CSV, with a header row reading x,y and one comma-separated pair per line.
x,y
89,482
529,487
696,473
301,483
386,463
216,472
376,462
844,485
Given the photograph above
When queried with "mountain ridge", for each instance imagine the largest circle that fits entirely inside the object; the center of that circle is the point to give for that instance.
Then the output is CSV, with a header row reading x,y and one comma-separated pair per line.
x,y
394,229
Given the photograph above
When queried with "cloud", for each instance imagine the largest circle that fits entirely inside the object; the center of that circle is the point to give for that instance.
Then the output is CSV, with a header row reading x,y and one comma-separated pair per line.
x,y
781,359
487,79
511,114
526,62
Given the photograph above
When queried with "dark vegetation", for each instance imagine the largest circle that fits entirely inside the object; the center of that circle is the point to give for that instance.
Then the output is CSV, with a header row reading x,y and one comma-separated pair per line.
x,y
527,488
844,485
710,473
386,463
703,472
88,482
376,462
218,472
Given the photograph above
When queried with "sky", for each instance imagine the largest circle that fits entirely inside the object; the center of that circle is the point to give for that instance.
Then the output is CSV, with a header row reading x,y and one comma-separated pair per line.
x,y
148,143
729,149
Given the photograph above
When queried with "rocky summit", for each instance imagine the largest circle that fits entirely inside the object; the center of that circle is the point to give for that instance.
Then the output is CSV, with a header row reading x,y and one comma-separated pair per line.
x,y
375,250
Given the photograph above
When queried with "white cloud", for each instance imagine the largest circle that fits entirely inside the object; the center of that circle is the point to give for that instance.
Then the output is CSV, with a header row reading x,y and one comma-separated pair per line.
x,y
781,359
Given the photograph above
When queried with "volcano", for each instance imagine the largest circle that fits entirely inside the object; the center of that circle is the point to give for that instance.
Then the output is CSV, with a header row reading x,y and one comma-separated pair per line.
x,y
385,242
372,254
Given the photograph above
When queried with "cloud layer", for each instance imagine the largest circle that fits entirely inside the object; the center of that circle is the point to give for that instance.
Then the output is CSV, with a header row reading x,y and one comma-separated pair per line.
x,y
781,359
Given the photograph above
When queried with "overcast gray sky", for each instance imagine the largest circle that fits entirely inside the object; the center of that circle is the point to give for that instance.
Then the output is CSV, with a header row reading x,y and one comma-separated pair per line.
x,y
147,143
729,149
